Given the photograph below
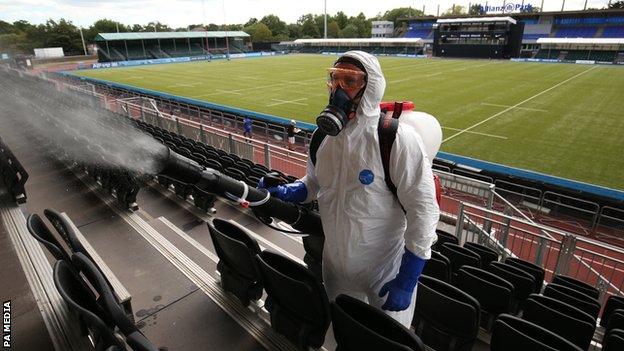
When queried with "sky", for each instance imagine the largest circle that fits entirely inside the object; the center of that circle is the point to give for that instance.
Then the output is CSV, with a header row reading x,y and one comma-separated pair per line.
x,y
181,13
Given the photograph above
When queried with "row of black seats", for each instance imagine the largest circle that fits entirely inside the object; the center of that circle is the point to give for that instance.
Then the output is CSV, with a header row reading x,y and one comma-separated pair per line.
x,y
568,307
13,174
92,299
231,165
296,299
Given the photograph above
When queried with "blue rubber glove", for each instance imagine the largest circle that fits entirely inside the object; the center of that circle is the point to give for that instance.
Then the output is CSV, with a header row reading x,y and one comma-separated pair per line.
x,y
401,288
291,192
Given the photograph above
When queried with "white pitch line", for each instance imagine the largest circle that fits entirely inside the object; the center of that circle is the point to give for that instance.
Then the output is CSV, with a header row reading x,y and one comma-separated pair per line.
x,y
484,134
518,104
434,74
184,85
280,102
519,108
229,91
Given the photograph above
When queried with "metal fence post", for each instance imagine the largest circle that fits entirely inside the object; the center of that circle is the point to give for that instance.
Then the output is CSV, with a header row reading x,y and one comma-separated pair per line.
x,y
459,225
487,224
267,156
128,114
177,122
231,142
566,252
540,251
142,112
202,134
504,235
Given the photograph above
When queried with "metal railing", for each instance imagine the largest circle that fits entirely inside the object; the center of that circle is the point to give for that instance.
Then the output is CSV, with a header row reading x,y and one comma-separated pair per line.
x,y
560,252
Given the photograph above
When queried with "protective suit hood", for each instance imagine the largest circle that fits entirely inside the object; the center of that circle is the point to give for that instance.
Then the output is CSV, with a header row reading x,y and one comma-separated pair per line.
x,y
375,87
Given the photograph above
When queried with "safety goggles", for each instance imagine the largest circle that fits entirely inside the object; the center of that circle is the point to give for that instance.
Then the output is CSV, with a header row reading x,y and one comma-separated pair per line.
x,y
347,79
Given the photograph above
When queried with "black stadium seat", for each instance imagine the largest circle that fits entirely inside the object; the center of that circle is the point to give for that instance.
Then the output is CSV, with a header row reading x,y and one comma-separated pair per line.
x,y
514,334
487,255
576,285
81,301
523,282
613,302
445,318
360,326
40,231
459,256
236,251
438,266
493,293
536,271
444,237
111,308
560,318
296,300
64,228
572,297
614,340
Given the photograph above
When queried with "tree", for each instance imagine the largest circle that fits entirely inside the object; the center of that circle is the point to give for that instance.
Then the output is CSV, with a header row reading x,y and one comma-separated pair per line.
x,y
455,11
6,27
275,24
476,9
251,22
362,24
105,26
350,31
333,30
530,9
259,32
294,31
401,12
617,5
341,19
308,26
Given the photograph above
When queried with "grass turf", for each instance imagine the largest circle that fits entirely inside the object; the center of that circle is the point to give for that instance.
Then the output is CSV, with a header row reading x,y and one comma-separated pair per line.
x,y
560,119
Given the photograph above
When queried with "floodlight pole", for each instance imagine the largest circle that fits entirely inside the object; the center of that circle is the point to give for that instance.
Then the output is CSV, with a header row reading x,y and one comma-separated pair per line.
x,y
84,47
227,43
325,21
585,7
562,5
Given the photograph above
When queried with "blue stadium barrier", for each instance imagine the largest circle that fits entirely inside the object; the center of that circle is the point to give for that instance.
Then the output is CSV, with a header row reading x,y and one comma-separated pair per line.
x,y
535,176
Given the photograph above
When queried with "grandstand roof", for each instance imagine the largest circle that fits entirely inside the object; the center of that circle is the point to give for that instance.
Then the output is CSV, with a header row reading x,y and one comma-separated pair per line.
x,y
477,19
167,35
360,40
605,41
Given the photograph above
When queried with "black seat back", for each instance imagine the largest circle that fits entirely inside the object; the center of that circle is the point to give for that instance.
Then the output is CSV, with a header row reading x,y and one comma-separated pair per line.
x,y
460,256
296,300
360,326
40,231
536,271
559,318
487,255
445,317
438,266
81,301
63,227
444,237
523,282
614,340
616,320
514,334
236,251
613,302
576,285
493,293
572,297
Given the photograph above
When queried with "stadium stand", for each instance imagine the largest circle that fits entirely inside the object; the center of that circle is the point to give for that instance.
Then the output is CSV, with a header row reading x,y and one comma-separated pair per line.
x,y
447,317
142,46
576,32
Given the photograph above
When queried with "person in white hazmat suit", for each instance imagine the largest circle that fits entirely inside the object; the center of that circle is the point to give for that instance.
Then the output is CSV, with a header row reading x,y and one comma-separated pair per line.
x,y
373,251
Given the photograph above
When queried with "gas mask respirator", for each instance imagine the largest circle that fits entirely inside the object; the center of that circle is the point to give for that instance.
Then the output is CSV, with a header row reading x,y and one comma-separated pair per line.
x,y
341,108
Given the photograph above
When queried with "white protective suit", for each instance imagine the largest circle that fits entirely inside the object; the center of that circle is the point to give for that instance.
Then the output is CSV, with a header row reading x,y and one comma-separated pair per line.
x,y
365,228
